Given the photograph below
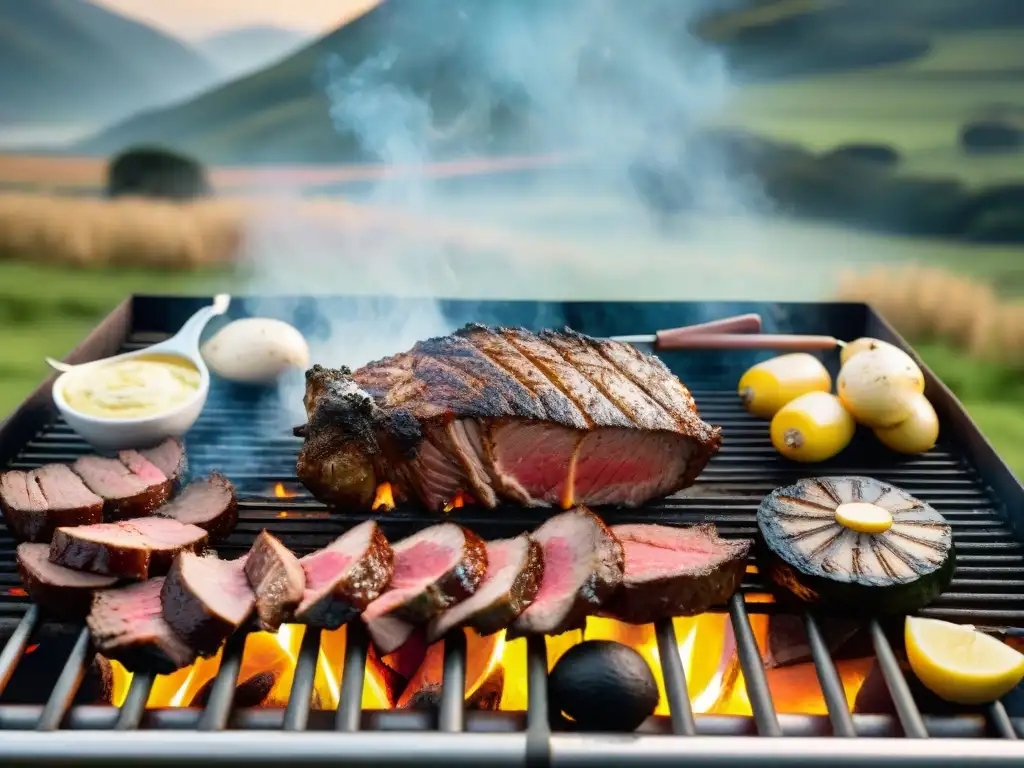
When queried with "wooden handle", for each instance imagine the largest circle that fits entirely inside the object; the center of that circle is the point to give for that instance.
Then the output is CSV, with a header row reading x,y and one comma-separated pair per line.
x,y
781,342
727,325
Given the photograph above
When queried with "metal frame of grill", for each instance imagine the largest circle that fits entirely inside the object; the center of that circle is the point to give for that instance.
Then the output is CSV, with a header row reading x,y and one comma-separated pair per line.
x,y
965,478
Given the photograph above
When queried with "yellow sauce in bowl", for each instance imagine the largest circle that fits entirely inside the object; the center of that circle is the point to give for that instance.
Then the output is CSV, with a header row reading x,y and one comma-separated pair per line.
x,y
146,385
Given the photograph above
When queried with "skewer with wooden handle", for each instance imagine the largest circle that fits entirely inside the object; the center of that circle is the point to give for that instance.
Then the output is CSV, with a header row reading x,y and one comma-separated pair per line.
x,y
739,324
733,341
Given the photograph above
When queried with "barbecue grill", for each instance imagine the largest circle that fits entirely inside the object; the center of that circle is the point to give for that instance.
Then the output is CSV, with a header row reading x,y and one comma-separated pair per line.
x,y
242,434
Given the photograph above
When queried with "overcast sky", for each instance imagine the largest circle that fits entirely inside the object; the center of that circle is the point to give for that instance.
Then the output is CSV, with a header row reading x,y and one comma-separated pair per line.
x,y
195,18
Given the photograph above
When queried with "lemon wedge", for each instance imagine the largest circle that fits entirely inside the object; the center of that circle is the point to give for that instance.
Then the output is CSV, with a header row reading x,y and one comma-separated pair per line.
x,y
960,664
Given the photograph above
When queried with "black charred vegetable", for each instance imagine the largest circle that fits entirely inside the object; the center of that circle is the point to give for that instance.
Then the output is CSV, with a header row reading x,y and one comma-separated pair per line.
x,y
854,545
603,686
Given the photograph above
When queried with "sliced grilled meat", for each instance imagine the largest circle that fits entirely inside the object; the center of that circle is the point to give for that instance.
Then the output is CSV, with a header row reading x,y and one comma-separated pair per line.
x,y
171,459
583,566
62,592
127,625
36,503
434,569
277,580
125,494
205,599
343,578
675,571
514,571
209,503
130,549
548,419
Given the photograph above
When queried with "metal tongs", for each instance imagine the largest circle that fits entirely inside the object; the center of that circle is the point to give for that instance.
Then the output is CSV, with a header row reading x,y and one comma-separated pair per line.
x,y
737,332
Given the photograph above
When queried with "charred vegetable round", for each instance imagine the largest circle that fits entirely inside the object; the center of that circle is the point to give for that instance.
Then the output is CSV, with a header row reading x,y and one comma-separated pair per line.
x,y
855,544
602,685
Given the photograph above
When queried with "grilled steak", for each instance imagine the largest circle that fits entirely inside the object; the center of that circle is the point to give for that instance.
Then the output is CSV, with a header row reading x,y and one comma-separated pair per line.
x,y
209,503
170,458
35,503
548,419
127,625
583,564
343,578
130,549
514,571
206,599
434,569
60,591
675,571
277,579
125,494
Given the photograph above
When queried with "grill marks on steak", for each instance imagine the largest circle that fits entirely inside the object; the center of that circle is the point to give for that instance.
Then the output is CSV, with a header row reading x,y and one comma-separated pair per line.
x,y
35,503
205,599
433,570
127,624
62,592
125,494
675,571
343,578
504,413
583,566
209,503
514,571
130,549
276,577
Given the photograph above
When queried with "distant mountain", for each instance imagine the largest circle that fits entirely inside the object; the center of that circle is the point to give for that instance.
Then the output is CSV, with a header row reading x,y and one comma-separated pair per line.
x,y
70,60
237,51
412,78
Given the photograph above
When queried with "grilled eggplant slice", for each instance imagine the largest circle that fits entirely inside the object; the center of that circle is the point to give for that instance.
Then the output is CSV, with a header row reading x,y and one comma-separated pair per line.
x,y
854,545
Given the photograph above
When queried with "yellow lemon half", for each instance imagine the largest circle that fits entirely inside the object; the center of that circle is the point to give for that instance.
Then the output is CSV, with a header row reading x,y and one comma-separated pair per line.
x,y
960,664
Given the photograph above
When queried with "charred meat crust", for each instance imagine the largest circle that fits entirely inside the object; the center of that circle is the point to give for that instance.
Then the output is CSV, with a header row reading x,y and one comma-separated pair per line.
x,y
503,612
688,592
276,579
454,586
355,588
62,592
363,425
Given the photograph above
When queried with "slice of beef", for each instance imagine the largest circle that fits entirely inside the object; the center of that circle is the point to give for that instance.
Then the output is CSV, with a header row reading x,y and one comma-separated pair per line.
x,y
675,571
434,569
36,503
209,503
276,578
206,599
127,625
344,577
125,494
62,592
514,571
548,419
169,456
130,549
583,565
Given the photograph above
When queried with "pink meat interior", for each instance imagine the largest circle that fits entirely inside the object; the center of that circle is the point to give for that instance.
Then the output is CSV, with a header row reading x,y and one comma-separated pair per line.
x,y
416,567
651,554
323,568
536,455
143,468
559,571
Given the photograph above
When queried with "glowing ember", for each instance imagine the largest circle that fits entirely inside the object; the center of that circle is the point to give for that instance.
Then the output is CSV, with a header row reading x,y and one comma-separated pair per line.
x,y
17,592
31,649
384,499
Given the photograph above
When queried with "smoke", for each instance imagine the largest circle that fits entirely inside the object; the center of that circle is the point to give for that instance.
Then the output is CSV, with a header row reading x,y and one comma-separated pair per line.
x,y
619,85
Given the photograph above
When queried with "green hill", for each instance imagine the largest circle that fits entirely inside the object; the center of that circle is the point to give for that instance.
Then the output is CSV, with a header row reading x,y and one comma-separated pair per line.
x,y
505,74
70,60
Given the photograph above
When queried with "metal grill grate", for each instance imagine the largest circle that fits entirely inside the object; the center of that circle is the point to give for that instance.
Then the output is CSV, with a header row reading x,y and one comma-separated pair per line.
x,y
248,443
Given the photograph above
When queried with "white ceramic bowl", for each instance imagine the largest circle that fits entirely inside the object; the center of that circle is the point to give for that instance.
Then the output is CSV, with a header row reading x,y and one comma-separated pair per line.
x,y
107,434
111,434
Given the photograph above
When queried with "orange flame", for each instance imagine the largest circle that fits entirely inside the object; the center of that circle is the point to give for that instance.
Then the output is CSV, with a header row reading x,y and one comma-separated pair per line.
x,y
384,499
17,592
281,492
458,502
